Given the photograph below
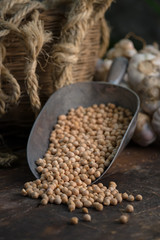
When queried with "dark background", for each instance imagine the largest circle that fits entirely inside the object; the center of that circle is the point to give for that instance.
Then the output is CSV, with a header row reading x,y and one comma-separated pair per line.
x,y
139,16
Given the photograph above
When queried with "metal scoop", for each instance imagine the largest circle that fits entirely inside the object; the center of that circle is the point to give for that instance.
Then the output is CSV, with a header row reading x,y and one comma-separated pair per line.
x,y
82,94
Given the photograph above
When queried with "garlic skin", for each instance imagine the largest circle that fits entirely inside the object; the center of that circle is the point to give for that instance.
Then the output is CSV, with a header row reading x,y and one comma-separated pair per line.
x,y
123,48
153,49
144,78
156,121
137,70
144,134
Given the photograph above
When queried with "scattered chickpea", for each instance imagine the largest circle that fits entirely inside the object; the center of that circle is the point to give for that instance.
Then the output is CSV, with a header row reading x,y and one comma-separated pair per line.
x,y
113,201
44,201
129,208
130,198
112,184
23,192
139,197
123,219
34,195
57,199
98,206
118,196
85,210
106,201
87,217
74,220
125,196
79,204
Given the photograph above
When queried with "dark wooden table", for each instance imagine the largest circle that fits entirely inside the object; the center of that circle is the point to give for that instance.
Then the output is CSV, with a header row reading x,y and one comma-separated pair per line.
x,y
137,170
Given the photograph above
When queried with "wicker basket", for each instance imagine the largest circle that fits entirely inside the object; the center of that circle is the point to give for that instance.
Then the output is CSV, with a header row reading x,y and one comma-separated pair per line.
x,y
20,116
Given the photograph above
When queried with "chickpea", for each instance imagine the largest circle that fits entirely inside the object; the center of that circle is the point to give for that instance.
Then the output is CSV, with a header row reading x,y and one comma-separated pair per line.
x,y
51,199
87,203
123,219
34,195
39,169
139,197
71,207
125,196
57,199
113,201
44,201
129,208
23,192
106,201
98,206
74,220
85,210
130,198
79,204
87,218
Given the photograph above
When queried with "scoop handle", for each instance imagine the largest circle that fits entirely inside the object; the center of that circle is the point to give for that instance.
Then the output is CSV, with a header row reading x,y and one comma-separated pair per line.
x,y
117,70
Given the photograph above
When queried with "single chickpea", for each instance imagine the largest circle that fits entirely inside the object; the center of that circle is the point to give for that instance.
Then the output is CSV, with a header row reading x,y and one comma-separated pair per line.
x,y
130,198
74,220
57,200
85,210
39,169
129,208
106,201
23,192
49,191
87,181
51,199
139,197
64,198
112,184
98,206
79,204
87,203
87,217
100,185
123,219
113,201
71,207
97,174
125,196
44,201
34,195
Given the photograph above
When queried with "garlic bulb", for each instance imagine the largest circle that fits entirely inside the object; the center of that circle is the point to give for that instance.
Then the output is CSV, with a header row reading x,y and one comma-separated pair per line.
x,y
123,48
140,65
144,133
144,78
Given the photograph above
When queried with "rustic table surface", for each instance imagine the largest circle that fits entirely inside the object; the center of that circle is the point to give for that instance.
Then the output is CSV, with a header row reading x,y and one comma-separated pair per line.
x,y
137,170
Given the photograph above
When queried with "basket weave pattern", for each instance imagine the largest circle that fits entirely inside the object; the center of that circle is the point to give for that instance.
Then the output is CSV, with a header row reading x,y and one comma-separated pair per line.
x,y
16,57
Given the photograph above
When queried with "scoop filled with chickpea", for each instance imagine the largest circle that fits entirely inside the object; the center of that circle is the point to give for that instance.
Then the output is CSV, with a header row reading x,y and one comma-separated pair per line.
x,y
86,126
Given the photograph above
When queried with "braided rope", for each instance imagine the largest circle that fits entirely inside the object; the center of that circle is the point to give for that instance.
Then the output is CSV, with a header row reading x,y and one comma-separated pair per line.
x,y
34,37
12,25
72,35
84,14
